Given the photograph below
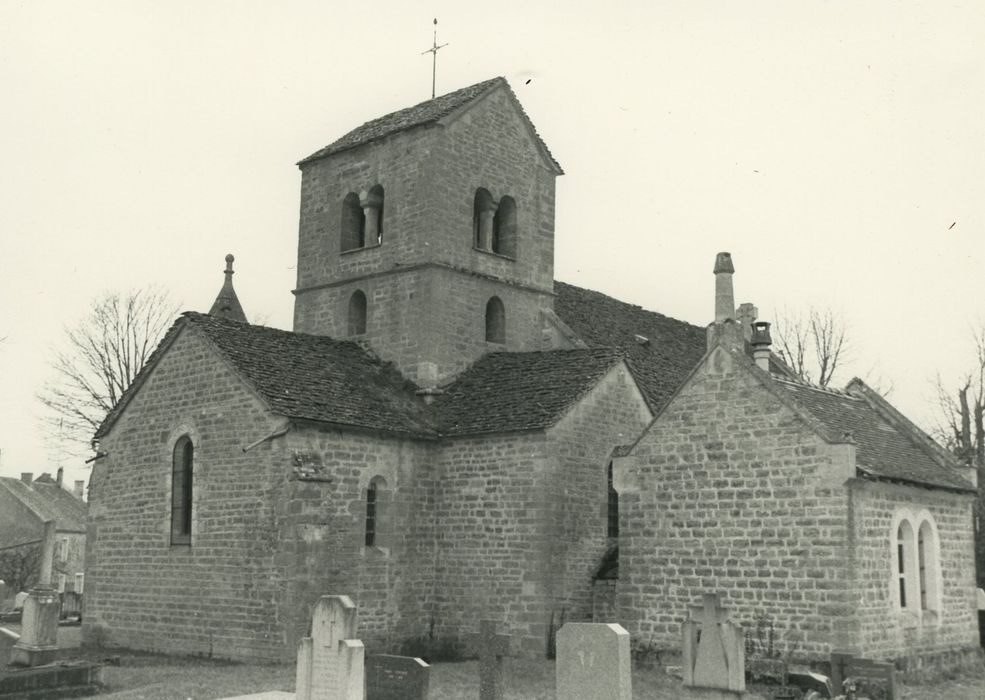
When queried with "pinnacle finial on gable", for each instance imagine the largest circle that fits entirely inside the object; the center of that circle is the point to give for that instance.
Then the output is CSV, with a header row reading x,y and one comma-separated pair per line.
x,y
227,303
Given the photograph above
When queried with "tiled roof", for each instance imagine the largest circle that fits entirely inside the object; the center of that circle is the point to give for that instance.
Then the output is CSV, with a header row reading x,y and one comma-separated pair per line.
x,y
661,351
49,501
882,450
420,115
307,377
508,391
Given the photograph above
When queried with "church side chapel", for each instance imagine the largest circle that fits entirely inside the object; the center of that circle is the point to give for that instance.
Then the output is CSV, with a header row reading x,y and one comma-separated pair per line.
x,y
449,434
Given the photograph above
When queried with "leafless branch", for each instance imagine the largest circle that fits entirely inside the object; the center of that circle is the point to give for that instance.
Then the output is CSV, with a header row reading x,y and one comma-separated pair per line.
x,y
814,346
99,359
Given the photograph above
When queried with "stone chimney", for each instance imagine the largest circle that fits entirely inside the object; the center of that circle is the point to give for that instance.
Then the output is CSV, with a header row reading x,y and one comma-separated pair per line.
x,y
27,477
724,298
761,342
58,476
78,491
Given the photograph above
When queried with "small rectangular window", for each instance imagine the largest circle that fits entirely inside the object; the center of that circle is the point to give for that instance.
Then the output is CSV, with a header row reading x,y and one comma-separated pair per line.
x,y
371,515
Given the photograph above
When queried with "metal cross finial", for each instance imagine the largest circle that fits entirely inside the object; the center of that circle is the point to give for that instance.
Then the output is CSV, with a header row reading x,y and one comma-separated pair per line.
x,y
434,56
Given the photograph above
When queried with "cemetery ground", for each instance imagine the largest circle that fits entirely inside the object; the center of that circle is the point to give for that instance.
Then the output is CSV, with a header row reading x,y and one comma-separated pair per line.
x,y
142,676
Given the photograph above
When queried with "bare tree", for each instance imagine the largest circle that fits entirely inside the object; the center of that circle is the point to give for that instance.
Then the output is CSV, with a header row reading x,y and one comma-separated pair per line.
x,y
961,427
100,358
814,346
20,566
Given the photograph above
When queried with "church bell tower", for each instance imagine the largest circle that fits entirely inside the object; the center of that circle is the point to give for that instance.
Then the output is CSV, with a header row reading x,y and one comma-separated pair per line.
x,y
429,233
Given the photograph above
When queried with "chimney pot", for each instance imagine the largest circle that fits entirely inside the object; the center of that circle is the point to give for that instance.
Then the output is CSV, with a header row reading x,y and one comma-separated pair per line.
x,y
58,476
761,342
27,477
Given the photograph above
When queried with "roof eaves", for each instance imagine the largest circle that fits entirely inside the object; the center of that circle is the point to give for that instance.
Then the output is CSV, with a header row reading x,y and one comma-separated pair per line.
x,y
429,435
875,475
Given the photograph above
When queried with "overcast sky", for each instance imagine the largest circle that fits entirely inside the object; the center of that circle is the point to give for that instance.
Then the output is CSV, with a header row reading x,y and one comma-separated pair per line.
x,y
837,149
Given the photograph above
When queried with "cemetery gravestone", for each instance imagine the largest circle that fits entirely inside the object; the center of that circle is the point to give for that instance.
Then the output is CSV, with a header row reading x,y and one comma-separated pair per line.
x,y
875,679
717,659
8,639
491,648
397,678
330,661
593,662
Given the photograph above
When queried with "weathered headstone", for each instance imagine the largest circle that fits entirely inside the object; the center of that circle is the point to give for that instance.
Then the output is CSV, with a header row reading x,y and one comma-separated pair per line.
x,y
491,648
717,659
593,662
397,678
809,681
330,661
19,600
876,679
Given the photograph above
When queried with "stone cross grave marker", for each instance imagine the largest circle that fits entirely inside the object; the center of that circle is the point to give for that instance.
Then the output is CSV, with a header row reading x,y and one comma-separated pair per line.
x,y
716,657
38,644
492,648
397,678
330,661
593,662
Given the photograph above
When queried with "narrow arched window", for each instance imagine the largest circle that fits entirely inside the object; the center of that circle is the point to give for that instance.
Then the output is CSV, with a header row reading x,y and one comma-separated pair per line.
x,y
373,216
904,557
928,562
353,223
504,227
495,321
483,211
181,491
357,313
375,511
612,528
371,514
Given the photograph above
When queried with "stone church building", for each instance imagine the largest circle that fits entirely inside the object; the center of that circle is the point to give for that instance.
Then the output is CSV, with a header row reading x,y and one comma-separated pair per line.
x,y
449,435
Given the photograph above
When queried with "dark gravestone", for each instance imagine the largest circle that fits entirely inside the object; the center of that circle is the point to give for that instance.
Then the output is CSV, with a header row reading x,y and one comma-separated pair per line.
x,y
491,648
396,678
875,679
808,681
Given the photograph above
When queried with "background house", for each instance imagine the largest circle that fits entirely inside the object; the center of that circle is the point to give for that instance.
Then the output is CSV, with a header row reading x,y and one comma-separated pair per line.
x,y
25,505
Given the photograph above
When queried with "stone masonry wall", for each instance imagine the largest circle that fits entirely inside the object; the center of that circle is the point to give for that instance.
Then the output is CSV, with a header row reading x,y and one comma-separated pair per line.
x,y
426,284
322,525
614,413
214,597
431,314
729,492
886,632
492,510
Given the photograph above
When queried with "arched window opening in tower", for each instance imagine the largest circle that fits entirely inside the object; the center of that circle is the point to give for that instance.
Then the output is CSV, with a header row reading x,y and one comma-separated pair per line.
x,y
357,314
495,321
483,211
353,223
504,228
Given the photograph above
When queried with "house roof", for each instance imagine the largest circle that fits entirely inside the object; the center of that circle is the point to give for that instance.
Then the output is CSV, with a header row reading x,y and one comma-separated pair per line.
x,y
882,450
306,377
49,501
422,114
661,351
509,391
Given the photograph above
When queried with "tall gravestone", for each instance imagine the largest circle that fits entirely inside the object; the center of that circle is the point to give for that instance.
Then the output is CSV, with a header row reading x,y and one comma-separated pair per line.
x,y
715,658
491,648
330,661
593,662
39,620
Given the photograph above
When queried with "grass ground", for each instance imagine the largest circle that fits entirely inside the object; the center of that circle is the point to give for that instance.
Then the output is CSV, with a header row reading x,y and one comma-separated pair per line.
x,y
153,677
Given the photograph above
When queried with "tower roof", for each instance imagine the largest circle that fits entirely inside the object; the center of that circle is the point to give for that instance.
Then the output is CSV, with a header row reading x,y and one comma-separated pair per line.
x,y
428,112
227,303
